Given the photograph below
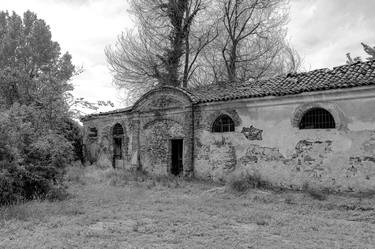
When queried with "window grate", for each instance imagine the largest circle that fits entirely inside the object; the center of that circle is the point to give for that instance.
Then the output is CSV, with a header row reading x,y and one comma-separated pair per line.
x,y
317,118
118,130
223,124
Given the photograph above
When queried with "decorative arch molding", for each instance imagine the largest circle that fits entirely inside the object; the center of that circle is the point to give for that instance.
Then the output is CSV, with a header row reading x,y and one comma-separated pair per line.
x,y
333,109
107,130
160,120
163,98
211,118
106,141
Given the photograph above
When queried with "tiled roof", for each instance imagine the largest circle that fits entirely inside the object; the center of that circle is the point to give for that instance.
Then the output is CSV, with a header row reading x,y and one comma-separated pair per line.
x,y
94,115
346,76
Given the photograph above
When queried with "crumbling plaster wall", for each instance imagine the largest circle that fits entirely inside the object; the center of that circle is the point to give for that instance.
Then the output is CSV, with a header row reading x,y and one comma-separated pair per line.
x,y
163,115
342,159
155,119
99,150
155,150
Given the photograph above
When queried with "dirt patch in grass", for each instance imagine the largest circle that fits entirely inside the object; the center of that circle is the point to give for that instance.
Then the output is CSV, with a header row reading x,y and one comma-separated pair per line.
x,y
137,212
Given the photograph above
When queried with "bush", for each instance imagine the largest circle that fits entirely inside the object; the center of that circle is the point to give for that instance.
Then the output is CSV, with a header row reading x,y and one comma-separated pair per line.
x,y
18,184
51,150
57,193
243,182
32,159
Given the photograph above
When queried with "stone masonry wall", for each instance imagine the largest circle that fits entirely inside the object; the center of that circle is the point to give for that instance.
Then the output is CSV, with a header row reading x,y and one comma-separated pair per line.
x,y
164,116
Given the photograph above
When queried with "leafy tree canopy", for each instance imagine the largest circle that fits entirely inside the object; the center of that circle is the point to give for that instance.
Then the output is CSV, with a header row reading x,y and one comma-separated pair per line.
x,y
37,136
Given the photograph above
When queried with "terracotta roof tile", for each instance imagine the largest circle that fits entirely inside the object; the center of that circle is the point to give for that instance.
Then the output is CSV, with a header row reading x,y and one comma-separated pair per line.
x,y
346,76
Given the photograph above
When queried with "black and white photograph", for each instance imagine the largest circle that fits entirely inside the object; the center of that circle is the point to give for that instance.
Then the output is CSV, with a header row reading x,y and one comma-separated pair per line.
x,y
197,124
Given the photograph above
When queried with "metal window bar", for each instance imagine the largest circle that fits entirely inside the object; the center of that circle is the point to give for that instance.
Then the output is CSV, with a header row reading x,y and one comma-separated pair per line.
x,y
317,118
223,124
118,130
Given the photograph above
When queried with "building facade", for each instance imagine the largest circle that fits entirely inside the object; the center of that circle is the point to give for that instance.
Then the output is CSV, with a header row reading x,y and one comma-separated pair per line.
x,y
315,128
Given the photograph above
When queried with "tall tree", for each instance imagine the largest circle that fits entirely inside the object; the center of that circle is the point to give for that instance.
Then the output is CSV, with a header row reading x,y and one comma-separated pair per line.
x,y
32,69
194,42
164,48
35,126
253,39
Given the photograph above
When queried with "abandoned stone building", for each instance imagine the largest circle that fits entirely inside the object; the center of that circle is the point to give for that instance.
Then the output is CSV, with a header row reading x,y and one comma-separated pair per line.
x,y
316,127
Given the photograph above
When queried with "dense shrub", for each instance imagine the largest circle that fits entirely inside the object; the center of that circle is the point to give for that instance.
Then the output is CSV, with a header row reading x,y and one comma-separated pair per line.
x,y
32,159
18,184
50,150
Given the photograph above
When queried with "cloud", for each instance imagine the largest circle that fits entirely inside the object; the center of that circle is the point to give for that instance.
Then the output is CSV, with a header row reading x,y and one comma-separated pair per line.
x,y
84,28
324,31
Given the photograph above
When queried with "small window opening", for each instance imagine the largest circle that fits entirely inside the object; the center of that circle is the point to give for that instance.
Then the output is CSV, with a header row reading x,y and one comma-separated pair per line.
x,y
223,124
317,118
93,132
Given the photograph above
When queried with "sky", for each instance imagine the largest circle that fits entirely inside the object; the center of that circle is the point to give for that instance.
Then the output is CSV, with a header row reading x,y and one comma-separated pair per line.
x,y
322,31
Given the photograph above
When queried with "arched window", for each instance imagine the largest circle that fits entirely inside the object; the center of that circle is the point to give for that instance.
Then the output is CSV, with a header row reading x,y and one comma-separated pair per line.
x,y
317,118
118,130
118,134
223,124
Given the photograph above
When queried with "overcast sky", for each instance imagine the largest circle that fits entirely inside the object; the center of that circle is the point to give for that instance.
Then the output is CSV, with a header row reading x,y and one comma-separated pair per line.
x,y
322,31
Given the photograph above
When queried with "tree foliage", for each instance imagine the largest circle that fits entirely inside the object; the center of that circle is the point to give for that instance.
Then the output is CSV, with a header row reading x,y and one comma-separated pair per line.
x,y
36,131
367,49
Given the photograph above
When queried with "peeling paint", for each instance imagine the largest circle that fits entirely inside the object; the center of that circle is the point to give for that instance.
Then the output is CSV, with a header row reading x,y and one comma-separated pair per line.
x,y
252,133
266,140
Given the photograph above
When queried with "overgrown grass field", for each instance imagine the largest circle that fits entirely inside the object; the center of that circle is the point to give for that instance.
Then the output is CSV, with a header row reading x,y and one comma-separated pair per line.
x,y
113,209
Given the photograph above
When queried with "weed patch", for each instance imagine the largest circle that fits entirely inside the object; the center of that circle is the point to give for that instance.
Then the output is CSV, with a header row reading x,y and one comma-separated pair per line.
x,y
315,193
245,182
75,173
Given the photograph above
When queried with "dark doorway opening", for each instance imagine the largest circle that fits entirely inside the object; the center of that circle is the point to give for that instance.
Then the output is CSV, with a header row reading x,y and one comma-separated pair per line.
x,y
118,135
177,155
117,150
117,147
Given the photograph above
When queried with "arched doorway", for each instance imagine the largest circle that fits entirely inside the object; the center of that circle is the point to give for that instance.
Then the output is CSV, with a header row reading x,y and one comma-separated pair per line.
x,y
118,139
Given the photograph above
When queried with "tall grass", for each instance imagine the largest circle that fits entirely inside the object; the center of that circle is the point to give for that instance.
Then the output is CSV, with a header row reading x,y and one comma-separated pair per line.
x,y
38,210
